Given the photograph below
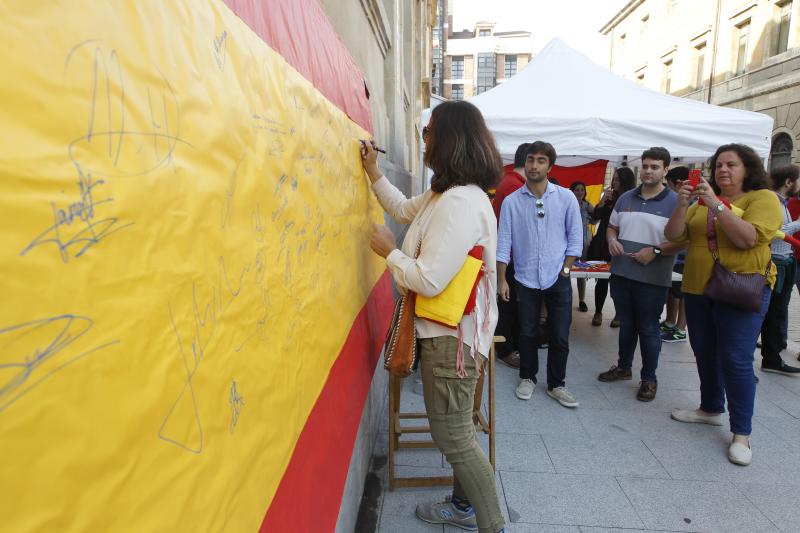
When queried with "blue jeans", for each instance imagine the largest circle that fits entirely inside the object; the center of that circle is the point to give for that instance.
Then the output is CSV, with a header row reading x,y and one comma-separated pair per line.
x,y
723,339
558,299
639,307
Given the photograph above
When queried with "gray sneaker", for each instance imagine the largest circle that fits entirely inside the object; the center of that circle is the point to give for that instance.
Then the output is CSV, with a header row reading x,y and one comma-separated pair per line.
x,y
563,396
525,389
447,513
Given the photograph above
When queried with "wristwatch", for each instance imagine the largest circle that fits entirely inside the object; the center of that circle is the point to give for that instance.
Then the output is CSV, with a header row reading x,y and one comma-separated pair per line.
x,y
565,271
656,250
719,208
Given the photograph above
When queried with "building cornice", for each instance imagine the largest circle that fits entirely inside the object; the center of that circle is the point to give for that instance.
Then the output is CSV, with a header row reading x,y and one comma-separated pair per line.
x,y
668,51
620,16
743,8
379,23
699,34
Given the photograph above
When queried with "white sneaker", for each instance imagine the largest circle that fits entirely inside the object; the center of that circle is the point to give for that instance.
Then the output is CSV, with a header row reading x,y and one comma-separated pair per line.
x,y
693,417
740,454
525,389
563,396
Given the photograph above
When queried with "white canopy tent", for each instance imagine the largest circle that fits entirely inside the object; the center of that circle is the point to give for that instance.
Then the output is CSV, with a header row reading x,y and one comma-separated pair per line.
x,y
587,112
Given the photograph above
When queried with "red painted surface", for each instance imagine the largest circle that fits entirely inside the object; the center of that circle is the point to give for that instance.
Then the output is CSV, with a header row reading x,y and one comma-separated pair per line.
x,y
590,173
310,493
303,35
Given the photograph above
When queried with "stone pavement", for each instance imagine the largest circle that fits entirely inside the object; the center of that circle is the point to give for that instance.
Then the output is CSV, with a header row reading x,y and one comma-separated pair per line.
x,y
615,464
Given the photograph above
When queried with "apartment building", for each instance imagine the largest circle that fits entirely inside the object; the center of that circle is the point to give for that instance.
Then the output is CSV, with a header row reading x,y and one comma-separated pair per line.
x,y
733,53
477,59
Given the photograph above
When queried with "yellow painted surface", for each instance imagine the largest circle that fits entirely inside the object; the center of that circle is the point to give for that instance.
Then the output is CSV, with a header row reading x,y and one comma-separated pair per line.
x,y
184,231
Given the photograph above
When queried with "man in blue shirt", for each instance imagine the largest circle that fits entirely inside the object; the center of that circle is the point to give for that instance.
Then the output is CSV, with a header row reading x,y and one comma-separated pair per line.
x,y
541,223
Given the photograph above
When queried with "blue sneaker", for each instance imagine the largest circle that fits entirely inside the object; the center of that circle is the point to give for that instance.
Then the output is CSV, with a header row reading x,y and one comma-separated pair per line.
x,y
447,513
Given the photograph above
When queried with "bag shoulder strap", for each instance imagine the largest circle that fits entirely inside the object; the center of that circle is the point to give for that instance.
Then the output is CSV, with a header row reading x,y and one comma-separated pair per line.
x,y
711,235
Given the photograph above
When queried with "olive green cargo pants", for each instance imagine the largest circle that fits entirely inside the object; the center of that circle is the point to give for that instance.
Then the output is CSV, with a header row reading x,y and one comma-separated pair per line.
x,y
449,403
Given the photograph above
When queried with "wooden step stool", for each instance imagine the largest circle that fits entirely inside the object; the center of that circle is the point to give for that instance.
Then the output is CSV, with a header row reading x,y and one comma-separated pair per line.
x,y
396,430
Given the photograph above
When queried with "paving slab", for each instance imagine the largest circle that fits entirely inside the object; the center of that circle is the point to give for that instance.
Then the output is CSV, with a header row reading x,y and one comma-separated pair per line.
x,y
791,384
776,389
602,424
786,431
540,528
586,529
706,460
561,499
707,506
607,457
622,396
522,453
779,503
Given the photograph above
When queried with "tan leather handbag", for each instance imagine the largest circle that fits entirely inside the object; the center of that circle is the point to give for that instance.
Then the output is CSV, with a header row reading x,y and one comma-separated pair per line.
x,y
400,348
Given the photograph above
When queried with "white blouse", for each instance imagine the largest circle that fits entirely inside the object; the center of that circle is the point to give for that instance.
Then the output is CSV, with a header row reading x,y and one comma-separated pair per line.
x,y
450,225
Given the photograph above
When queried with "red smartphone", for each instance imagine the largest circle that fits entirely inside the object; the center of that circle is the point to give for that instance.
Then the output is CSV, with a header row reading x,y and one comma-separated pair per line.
x,y
694,177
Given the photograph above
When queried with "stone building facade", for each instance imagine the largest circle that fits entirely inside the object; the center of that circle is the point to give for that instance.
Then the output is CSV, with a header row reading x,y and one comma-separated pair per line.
x,y
733,53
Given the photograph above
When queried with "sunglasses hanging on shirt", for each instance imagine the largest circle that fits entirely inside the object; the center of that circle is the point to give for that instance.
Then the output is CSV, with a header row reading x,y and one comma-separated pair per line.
x,y
540,208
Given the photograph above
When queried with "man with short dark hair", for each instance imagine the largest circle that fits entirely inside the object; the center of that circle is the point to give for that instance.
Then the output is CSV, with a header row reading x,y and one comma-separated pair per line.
x,y
773,330
508,322
641,269
541,224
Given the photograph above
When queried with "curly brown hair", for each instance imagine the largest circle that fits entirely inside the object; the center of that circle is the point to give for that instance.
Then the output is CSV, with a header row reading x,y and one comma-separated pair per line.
x,y
755,177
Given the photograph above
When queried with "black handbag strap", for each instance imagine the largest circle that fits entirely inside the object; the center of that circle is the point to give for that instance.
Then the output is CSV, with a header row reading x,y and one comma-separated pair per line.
x,y
711,235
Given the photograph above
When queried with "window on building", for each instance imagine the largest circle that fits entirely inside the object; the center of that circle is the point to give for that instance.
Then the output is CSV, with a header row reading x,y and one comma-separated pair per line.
x,y
640,78
666,83
644,21
457,92
510,66
457,67
484,33
783,12
671,5
781,152
699,65
487,73
742,35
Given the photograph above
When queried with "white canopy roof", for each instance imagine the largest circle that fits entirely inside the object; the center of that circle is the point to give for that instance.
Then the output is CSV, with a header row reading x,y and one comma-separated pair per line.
x,y
586,110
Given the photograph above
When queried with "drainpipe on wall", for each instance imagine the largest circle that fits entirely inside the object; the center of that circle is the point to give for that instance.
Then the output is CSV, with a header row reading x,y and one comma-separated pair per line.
x,y
714,51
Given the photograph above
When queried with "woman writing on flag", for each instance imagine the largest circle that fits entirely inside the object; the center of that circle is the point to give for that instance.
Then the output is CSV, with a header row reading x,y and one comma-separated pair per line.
x,y
446,222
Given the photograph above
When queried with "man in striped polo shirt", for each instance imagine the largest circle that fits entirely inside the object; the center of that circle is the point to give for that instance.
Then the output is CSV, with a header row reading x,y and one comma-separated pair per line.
x,y
641,269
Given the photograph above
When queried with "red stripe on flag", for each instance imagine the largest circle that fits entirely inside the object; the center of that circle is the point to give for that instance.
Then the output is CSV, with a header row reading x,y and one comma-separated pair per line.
x,y
310,492
300,31
590,174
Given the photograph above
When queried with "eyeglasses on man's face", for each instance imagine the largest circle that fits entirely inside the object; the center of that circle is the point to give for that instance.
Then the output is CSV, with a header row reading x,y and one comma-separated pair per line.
x,y
540,208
